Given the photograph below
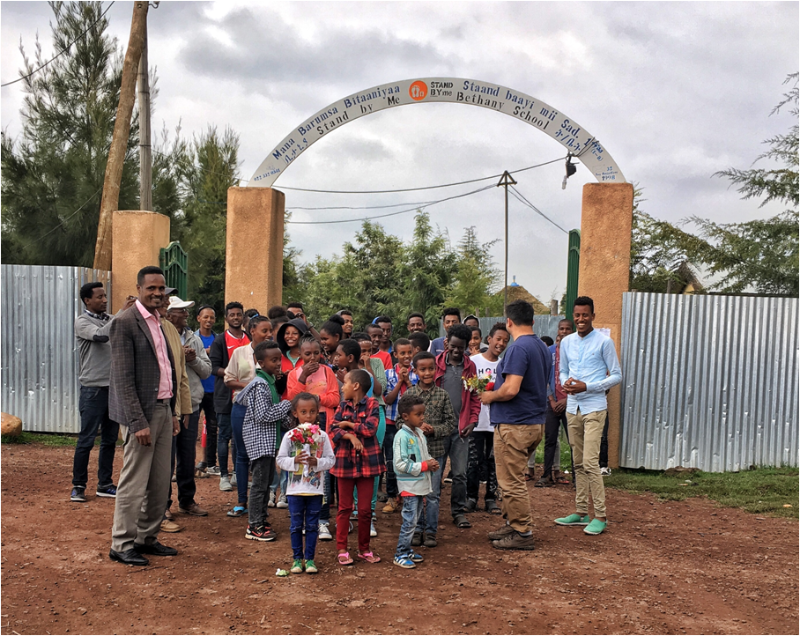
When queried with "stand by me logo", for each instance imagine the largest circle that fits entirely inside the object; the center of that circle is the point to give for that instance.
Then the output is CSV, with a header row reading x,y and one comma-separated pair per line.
x,y
418,90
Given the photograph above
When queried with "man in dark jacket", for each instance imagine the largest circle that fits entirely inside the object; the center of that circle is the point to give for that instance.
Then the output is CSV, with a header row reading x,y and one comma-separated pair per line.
x,y
142,392
452,368
220,354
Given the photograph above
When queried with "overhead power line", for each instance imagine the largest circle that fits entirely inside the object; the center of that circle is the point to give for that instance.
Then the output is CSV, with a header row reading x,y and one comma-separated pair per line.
x,y
434,187
36,240
521,198
60,53
382,216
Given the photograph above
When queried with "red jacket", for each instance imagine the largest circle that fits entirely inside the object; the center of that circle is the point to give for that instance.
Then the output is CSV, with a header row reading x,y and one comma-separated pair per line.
x,y
470,402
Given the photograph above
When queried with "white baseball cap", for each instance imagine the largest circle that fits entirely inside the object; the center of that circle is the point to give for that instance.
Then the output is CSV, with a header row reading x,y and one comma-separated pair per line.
x,y
177,303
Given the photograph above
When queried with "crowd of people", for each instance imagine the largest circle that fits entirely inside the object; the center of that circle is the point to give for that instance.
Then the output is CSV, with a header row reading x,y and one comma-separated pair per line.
x,y
303,418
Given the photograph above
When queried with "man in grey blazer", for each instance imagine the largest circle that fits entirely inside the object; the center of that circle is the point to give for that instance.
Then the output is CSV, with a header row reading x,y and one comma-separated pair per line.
x,y
142,399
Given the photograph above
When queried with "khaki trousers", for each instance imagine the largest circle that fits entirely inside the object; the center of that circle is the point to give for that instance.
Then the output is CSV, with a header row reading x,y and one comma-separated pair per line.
x,y
144,482
585,433
513,444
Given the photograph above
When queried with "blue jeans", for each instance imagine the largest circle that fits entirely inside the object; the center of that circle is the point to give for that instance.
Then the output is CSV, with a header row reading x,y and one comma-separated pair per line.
x,y
93,407
412,513
242,461
457,448
223,437
304,512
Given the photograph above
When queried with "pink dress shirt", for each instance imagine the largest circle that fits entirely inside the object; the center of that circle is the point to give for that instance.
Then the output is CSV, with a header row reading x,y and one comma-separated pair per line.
x,y
160,341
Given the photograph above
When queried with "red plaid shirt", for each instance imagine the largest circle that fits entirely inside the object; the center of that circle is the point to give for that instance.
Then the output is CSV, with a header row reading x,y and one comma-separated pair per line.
x,y
369,462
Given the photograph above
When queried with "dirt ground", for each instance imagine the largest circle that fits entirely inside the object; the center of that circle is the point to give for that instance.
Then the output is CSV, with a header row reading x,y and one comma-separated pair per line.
x,y
675,567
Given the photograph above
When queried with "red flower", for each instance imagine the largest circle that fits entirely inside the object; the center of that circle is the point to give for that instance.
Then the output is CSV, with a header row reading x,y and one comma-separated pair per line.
x,y
490,386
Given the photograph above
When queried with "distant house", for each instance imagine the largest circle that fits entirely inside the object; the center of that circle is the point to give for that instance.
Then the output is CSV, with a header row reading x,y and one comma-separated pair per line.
x,y
696,279
517,292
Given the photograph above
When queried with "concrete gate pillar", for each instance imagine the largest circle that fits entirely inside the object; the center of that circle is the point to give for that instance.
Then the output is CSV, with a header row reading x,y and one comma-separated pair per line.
x,y
137,236
254,247
606,218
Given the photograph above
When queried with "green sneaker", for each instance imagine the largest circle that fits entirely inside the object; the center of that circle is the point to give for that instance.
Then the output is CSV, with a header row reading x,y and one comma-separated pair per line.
x,y
596,527
573,520
311,567
297,567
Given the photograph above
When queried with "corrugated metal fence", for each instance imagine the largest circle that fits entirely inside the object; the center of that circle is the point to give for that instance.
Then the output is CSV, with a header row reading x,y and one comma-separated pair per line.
x,y
543,325
709,382
39,352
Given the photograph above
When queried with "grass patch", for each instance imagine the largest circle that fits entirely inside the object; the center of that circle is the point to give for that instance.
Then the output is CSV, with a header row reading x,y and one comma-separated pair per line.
x,y
46,439
760,491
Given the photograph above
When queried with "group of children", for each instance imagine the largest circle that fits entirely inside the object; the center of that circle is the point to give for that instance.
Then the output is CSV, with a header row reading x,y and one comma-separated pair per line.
x,y
334,414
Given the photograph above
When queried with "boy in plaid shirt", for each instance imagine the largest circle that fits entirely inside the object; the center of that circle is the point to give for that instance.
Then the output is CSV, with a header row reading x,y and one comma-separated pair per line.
x,y
359,461
440,422
261,432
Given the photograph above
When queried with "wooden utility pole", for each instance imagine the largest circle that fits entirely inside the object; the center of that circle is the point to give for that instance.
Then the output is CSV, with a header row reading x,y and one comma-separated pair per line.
x,y
145,155
119,140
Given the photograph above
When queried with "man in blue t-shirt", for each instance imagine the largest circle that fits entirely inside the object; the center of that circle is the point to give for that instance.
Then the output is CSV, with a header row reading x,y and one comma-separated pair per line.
x,y
519,404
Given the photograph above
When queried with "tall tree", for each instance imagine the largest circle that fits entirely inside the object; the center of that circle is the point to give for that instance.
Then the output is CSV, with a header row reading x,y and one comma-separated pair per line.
x,y
762,253
427,271
476,277
208,170
52,176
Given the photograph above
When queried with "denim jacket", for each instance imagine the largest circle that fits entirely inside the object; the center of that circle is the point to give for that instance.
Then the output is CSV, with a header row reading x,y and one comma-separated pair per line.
x,y
410,456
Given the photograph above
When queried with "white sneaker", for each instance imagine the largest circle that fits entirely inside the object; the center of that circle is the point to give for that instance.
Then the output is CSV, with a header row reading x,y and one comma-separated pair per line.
x,y
605,472
324,532
372,531
225,483
271,503
282,503
213,470
233,479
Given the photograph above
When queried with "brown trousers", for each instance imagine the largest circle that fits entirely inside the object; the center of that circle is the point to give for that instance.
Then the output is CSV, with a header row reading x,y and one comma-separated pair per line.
x,y
513,444
585,433
143,487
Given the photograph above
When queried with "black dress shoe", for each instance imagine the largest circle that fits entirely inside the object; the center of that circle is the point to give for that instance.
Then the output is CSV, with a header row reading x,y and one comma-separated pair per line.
x,y
129,557
156,549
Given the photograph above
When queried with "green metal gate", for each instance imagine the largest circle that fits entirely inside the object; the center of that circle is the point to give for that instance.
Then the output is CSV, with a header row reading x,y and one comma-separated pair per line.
x,y
174,261
573,263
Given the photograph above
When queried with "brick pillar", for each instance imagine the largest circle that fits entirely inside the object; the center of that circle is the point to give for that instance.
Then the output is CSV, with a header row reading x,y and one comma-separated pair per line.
x,y
254,247
606,217
137,236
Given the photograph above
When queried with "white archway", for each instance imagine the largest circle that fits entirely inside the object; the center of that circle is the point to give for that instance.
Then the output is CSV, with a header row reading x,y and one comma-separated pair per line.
x,y
538,114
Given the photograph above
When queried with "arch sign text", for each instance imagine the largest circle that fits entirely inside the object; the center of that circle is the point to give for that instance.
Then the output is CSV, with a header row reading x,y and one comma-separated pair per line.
x,y
569,133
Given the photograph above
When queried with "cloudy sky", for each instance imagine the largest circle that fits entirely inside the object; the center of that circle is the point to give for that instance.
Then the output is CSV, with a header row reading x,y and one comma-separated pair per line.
x,y
674,91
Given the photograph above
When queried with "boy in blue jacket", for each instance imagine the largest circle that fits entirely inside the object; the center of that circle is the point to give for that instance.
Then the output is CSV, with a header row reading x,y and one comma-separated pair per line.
x,y
413,465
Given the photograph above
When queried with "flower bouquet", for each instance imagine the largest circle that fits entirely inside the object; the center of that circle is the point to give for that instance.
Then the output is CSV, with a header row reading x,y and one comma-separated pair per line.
x,y
479,383
305,437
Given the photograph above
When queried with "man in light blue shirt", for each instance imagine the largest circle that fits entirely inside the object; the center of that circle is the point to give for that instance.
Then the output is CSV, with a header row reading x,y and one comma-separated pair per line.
x,y
588,368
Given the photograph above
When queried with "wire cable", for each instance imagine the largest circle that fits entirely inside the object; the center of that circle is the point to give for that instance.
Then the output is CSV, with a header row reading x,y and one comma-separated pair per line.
x,y
36,240
383,216
362,207
521,198
434,187
69,46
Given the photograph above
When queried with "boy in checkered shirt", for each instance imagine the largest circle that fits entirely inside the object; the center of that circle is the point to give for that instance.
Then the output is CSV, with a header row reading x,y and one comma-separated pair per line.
x,y
359,461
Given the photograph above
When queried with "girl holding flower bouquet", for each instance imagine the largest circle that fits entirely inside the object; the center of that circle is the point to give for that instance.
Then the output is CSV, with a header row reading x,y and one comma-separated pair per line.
x,y
305,454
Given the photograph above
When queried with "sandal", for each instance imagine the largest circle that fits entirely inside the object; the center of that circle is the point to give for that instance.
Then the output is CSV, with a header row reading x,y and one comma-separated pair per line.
x,y
528,477
492,507
238,511
369,557
461,521
561,479
344,558
544,482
